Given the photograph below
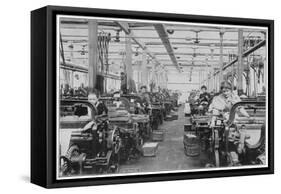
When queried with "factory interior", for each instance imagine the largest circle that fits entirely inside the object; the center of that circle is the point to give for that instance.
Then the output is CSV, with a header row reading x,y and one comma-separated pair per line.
x,y
140,96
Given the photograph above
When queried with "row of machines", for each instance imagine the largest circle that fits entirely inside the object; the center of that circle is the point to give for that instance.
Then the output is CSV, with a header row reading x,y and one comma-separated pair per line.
x,y
228,139
100,143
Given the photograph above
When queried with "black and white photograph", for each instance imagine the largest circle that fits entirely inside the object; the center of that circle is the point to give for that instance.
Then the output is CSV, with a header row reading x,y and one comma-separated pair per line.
x,y
139,97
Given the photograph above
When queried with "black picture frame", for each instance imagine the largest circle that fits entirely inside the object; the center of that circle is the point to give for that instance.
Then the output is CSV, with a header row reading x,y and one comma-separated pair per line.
x,y
43,95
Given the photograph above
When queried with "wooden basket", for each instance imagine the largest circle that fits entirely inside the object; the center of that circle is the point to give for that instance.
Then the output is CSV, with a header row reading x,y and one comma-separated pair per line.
x,y
158,135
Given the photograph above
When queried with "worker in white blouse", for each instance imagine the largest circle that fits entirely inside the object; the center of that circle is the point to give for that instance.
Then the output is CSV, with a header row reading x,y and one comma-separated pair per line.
x,y
222,103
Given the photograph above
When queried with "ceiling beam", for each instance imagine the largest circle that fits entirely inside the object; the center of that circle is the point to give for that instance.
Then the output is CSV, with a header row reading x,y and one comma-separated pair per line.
x,y
196,45
198,61
187,39
141,44
83,41
193,28
155,53
190,54
162,60
189,65
70,23
160,28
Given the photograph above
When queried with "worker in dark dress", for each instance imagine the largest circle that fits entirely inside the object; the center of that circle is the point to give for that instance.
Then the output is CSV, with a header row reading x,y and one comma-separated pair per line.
x,y
123,88
203,100
145,98
128,85
98,133
144,95
204,96
99,105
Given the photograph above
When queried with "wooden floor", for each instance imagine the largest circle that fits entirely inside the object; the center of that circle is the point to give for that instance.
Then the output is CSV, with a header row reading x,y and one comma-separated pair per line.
x,y
170,154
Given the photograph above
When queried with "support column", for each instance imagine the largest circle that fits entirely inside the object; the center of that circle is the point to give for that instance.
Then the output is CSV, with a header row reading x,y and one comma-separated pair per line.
x,y
128,59
160,78
212,69
265,61
157,78
153,72
232,77
200,78
164,79
221,56
93,54
208,75
216,83
72,79
240,67
211,83
144,69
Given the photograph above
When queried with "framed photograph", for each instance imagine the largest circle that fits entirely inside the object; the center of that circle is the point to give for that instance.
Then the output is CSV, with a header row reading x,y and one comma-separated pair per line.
x,y
126,96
